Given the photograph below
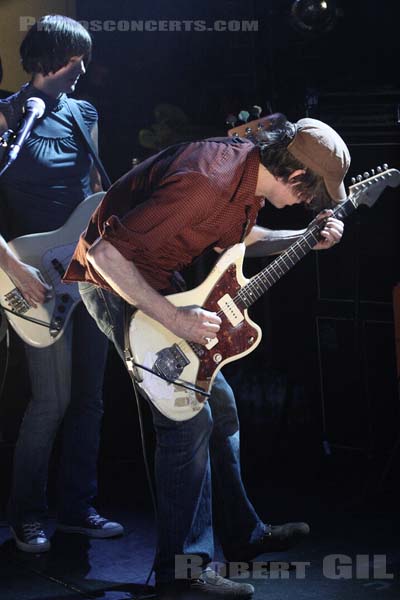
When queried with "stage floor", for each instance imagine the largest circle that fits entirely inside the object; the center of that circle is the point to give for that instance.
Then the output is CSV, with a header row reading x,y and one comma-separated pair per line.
x,y
350,538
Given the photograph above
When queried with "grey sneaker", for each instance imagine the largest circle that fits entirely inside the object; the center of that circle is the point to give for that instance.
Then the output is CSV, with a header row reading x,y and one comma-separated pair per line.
x,y
93,526
208,584
219,587
30,537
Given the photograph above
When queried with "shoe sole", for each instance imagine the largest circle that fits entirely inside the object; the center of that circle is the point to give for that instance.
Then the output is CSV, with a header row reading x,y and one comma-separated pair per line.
x,y
276,546
92,533
195,594
31,548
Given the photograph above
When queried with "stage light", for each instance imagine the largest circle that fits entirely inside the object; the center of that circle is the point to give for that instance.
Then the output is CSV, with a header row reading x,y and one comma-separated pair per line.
x,y
313,16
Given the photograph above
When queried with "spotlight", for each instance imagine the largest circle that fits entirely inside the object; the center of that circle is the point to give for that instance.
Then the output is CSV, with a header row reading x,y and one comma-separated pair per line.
x,y
313,16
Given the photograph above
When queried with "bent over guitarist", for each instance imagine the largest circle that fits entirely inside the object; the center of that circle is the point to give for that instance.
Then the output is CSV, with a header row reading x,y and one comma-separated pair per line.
x,y
153,222
51,176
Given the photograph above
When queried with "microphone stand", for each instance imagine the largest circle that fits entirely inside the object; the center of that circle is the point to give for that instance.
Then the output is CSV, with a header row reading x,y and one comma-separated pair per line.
x,y
33,109
6,141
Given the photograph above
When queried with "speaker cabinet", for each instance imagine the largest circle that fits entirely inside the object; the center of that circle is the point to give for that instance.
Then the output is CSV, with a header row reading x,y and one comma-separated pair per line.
x,y
359,401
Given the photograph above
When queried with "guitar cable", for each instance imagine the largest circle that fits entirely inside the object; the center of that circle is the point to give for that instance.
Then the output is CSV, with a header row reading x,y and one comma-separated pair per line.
x,y
128,359
7,360
131,365
30,319
184,384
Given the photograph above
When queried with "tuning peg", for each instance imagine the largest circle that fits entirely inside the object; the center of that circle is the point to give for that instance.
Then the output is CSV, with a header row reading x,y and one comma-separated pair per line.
x,y
255,111
359,178
231,120
385,166
372,172
366,175
244,116
379,169
353,180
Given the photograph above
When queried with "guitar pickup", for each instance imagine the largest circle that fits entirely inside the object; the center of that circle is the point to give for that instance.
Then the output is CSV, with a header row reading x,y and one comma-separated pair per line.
x,y
58,267
230,310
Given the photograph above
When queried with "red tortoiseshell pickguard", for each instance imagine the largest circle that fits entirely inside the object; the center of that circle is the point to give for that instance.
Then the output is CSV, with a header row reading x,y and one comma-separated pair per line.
x,y
232,341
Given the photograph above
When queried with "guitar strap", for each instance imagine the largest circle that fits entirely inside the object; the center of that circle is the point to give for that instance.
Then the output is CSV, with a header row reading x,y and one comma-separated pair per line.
x,y
77,116
128,312
245,225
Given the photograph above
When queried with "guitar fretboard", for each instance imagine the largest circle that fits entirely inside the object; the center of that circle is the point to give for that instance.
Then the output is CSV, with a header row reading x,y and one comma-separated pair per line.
x,y
266,278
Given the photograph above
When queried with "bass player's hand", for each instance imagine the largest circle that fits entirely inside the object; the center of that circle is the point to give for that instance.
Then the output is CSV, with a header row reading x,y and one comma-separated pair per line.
x,y
30,283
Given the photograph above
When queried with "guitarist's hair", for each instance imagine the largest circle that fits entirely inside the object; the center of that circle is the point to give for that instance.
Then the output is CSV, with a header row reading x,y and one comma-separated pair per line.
x,y
273,142
51,42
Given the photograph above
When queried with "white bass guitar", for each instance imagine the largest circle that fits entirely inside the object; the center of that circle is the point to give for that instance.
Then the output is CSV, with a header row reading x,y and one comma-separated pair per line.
x,y
50,253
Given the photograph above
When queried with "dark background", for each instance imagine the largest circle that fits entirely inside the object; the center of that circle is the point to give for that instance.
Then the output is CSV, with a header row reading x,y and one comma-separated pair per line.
x,y
320,393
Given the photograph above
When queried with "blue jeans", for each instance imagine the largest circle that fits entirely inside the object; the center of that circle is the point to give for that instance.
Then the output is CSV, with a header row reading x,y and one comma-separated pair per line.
x,y
186,452
66,382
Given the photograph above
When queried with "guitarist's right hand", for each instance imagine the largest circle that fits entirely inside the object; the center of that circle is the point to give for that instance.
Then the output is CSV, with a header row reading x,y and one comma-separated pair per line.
x,y
30,283
195,324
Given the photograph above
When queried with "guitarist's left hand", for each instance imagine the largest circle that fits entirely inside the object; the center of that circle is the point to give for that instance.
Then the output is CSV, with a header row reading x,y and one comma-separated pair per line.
x,y
331,233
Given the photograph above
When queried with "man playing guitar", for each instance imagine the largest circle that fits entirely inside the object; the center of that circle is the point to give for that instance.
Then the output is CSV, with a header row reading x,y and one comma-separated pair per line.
x,y
153,222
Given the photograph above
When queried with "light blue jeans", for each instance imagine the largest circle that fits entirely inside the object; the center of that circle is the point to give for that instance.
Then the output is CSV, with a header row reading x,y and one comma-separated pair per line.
x,y
66,381
186,453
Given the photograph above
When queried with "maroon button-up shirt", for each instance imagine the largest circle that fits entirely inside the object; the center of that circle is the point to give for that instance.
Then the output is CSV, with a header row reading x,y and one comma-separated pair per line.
x,y
173,206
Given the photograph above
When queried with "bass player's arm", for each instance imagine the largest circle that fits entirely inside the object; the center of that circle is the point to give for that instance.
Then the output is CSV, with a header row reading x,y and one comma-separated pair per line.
x,y
26,278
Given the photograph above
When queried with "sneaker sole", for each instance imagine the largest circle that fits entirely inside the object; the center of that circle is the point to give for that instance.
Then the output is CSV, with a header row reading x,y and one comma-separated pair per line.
x,y
31,548
93,533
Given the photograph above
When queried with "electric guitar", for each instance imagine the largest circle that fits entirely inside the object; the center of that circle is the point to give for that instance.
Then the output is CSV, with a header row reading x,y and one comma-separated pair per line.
x,y
177,375
50,253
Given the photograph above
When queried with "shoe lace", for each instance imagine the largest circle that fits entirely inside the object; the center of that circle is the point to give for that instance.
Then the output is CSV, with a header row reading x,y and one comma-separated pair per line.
x,y
32,530
210,576
96,519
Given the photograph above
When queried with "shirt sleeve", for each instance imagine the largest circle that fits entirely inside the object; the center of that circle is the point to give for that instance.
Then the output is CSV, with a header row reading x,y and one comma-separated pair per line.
x,y
179,204
89,113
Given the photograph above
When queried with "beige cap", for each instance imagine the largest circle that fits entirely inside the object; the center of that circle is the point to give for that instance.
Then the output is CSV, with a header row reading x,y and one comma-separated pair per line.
x,y
322,150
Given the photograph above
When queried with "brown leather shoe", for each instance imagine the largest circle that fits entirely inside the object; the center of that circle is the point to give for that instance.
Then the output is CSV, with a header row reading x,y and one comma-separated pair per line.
x,y
277,538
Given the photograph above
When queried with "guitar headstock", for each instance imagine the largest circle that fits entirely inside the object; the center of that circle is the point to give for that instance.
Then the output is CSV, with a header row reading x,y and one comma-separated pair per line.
x,y
367,188
252,128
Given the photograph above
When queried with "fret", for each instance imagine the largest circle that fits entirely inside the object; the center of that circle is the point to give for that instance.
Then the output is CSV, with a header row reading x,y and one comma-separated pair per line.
x,y
264,280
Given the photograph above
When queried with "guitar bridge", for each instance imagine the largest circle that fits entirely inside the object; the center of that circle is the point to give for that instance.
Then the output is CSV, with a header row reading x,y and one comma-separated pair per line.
x,y
170,362
17,302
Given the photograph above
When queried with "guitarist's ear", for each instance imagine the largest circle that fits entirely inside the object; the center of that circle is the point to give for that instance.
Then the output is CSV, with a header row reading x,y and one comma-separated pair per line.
x,y
295,176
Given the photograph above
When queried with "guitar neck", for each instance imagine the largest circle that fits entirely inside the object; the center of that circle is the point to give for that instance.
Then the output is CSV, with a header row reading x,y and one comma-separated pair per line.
x,y
265,279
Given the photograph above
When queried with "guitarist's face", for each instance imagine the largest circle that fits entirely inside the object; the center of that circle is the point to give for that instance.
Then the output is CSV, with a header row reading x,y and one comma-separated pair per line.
x,y
285,193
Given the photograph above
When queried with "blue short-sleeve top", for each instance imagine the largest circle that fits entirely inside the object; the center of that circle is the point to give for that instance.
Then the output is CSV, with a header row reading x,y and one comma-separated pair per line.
x,y
51,175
